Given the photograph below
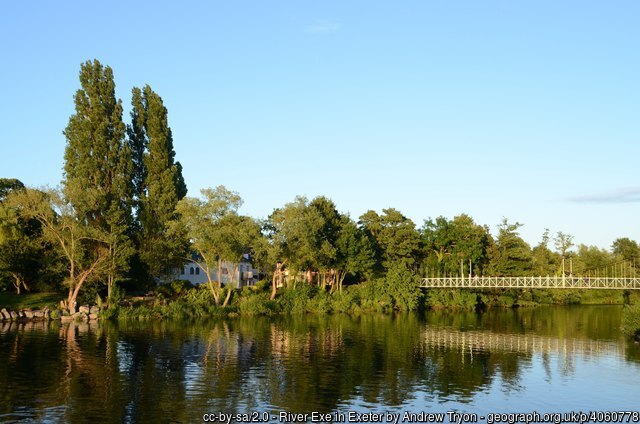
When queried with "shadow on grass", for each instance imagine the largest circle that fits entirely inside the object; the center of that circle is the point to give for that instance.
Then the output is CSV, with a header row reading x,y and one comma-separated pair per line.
x,y
29,300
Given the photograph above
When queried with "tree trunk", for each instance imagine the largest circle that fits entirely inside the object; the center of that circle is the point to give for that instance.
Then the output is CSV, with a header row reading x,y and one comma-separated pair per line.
x,y
226,300
231,272
273,285
19,282
109,290
277,280
214,293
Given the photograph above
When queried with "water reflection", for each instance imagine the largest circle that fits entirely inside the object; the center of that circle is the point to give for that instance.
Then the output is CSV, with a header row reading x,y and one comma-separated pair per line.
x,y
169,371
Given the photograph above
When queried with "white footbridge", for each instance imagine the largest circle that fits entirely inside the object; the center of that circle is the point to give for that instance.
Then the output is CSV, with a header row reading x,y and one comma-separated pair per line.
x,y
609,283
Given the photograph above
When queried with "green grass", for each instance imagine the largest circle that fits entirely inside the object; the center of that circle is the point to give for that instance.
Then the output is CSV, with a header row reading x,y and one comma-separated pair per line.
x,y
29,300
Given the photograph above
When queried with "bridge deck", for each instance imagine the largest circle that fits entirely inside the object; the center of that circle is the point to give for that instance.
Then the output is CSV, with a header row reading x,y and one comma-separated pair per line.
x,y
533,282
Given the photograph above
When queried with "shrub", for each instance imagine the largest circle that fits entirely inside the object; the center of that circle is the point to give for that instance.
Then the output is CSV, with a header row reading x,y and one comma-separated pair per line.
x,y
346,301
255,304
631,320
454,298
295,300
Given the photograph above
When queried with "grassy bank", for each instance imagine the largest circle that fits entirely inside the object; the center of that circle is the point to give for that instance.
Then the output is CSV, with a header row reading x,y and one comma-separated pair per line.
x,y
29,300
178,301
374,296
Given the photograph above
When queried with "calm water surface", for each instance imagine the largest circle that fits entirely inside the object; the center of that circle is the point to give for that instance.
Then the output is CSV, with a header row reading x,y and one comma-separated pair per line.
x,y
551,359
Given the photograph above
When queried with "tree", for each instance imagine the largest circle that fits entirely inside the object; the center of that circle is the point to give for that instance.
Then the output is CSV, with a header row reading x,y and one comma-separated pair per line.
x,y
563,242
447,244
7,185
294,233
84,248
314,239
511,255
219,236
545,262
98,166
354,253
393,236
20,247
593,261
157,181
627,249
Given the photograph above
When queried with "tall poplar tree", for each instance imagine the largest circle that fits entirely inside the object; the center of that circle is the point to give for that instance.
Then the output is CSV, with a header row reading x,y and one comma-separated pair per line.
x,y
158,183
98,166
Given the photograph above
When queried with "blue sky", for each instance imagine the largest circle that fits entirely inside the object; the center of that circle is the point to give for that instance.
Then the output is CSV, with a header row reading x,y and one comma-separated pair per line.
x,y
521,109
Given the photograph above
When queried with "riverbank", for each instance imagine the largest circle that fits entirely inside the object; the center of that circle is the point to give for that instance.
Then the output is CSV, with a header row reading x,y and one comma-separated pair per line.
x,y
180,302
374,297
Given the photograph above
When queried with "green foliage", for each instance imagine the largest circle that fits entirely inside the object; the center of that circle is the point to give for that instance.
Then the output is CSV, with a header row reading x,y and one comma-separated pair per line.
x,y
297,231
396,291
314,236
23,255
82,247
556,296
447,244
355,254
296,300
321,303
174,289
451,298
631,320
255,304
545,262
194,303
98,168
218,234
510,256
348,300
592,260
627,249
402,288
29,300
90,290
500,298
157,182
563,242
394,238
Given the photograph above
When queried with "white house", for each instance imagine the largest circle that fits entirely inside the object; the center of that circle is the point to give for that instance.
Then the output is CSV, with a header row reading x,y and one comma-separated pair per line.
x,y
245,274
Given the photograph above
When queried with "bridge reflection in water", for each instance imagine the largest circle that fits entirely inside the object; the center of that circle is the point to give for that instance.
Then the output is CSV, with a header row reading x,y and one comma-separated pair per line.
x,y
555,282
478,341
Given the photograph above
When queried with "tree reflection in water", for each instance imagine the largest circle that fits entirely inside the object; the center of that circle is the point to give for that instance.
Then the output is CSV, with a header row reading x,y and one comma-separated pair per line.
x,y
176,371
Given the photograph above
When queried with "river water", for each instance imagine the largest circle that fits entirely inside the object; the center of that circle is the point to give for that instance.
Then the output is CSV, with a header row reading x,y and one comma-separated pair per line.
x,y
544,360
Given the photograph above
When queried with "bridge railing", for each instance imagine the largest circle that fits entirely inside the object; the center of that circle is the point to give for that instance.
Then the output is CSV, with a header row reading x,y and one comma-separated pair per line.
x,y
488,341
533,282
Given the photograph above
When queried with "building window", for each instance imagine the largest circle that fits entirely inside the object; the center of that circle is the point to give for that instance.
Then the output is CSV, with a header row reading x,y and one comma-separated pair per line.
x,y
197,271
191,270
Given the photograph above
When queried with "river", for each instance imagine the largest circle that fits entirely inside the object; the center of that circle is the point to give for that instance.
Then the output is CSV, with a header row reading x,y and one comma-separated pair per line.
x,y
543,360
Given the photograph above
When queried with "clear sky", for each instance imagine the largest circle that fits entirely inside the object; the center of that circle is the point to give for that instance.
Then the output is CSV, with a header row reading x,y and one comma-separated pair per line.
x,y
521,109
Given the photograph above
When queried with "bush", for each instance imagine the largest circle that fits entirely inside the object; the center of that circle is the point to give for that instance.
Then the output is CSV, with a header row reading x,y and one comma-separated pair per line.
x,y
255,304
320,303
454,298
295,300
346,301
631,320
396,291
